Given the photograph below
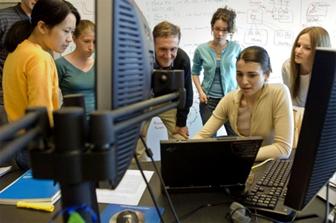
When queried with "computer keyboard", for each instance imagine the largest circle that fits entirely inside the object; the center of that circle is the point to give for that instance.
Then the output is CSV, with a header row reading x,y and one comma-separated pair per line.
x,y
267,193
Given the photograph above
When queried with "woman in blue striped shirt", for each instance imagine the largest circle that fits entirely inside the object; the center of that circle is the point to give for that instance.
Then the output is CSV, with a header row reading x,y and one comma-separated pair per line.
x,y
217,58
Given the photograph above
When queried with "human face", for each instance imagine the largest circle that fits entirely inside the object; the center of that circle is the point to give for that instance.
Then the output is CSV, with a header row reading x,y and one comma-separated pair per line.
x,y
28,5
303,51
250,77
85,42
59,37
220,30
166,50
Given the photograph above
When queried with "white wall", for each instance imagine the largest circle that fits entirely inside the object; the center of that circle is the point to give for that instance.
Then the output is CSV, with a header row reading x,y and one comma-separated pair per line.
x,y
272,24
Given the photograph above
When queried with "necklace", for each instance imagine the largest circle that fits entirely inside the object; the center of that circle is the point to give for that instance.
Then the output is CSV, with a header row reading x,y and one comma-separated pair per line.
x,y
218,48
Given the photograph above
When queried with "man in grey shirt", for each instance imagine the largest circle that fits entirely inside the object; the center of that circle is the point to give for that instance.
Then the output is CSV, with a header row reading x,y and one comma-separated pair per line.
x,y
9,16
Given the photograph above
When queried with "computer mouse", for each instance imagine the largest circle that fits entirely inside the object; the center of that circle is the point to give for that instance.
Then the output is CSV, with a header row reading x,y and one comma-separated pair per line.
x,y
128,216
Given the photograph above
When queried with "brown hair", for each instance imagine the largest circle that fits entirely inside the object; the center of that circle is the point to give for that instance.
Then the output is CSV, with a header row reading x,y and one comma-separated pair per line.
x,y
227,15
166,29
319,37
258,55
82,26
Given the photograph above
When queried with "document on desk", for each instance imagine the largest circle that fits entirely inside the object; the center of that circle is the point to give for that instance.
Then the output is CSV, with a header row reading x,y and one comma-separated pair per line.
x,y
332,191
129,190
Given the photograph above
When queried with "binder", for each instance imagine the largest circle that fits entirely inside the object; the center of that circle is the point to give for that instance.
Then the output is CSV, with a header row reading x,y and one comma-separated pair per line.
x,y
26,188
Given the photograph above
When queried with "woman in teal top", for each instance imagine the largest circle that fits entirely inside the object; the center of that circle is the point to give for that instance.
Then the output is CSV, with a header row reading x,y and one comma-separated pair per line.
x,y
76,71
218,60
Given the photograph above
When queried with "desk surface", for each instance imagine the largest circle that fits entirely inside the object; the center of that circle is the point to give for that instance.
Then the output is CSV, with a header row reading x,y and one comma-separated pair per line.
x,y
184,203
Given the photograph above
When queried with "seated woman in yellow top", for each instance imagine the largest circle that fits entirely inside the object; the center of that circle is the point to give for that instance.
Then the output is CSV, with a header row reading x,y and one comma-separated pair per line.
x,y
257,108
30,75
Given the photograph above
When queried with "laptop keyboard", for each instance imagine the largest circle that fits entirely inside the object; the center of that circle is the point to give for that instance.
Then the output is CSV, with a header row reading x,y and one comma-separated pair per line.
x,y
267,194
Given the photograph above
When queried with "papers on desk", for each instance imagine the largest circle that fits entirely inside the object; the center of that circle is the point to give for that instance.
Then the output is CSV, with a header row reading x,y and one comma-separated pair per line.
x,y
129,190
332,191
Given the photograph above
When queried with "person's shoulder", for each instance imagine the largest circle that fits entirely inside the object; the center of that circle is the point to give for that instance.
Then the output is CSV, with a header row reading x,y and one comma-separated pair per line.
x,y
234,43
182,59
278,88
33,51
233,95
60,60
286,63
181,53
10,9
203,46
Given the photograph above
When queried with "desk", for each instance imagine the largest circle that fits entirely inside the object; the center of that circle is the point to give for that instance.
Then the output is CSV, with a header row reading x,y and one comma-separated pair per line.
x,y
183,202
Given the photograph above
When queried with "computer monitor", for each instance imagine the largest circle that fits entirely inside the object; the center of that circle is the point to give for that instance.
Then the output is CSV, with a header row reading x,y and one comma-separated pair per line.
x,y
125,57
315,157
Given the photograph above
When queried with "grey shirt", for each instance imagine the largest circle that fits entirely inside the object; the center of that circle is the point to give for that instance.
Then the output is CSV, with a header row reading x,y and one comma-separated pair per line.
x,y
8,16
300,99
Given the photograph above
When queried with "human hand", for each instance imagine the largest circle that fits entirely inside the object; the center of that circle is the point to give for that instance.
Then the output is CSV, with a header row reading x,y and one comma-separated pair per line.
x,y
203,98
183,131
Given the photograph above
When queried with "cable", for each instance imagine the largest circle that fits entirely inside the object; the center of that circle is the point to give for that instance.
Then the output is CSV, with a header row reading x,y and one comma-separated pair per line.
x,y
149,188
262,163
170,203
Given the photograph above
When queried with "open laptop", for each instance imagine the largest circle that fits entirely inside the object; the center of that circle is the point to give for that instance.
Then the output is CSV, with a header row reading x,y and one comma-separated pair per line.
x,y
207,163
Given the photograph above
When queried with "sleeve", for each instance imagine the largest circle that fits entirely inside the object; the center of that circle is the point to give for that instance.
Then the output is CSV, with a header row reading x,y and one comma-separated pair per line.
x,y
285,71
197,62
3,28
217,119
283,128
182,114
60,70
42,83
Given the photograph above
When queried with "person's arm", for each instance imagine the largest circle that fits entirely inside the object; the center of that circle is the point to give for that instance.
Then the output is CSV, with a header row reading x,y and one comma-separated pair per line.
x,y
285,71
182,113
196,70
283,127
217,119
202,96
42,83
60,71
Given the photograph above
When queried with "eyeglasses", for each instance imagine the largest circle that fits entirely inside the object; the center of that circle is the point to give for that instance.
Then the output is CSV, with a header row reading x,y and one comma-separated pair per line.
x,y
217,30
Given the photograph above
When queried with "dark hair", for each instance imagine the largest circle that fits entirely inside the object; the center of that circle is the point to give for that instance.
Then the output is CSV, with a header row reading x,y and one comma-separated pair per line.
x,y
256,54
51,12
227,15
166,29
319,37
18,32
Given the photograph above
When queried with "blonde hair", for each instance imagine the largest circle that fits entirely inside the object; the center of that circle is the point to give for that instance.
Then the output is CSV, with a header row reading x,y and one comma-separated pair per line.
x,y
82,26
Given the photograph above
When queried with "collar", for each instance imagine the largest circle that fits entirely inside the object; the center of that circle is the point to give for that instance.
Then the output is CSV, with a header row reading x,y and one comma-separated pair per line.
x,y
239,95
20,12
158,67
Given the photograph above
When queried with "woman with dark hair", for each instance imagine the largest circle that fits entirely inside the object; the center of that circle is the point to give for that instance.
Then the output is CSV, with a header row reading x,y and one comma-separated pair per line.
x,y
296,71
257,108
30,75
217,58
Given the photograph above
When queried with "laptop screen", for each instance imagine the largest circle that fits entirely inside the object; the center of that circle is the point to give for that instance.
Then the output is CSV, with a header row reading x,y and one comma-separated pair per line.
x,y
208,163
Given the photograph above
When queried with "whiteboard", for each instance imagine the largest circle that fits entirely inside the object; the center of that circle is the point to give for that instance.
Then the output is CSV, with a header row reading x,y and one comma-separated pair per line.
x,y
272,24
